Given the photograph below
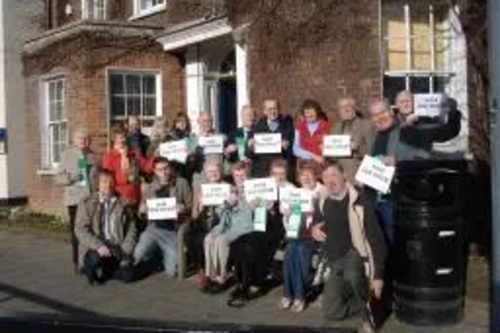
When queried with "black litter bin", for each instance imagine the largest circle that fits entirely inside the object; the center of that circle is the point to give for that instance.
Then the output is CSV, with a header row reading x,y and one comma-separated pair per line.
x,y
429,250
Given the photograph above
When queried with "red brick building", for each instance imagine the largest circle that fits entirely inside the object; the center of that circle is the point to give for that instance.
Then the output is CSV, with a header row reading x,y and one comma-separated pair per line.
x,y
101,60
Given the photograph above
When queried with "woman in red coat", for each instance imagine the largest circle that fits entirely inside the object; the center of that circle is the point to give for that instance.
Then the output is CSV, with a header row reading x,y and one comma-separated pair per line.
x,y
127,165
309,132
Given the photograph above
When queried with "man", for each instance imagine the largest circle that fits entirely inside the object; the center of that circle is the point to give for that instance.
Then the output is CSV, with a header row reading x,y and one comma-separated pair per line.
x,y
162,234
241,133
354,246
106,230
136,139
273,122
359,129
76,172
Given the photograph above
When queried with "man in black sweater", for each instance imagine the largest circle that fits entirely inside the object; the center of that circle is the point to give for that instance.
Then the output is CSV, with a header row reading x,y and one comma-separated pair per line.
x,y
273,122
353,243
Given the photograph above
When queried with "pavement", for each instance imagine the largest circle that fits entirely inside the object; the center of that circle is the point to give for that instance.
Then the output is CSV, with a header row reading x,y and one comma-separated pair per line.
x,y
36,279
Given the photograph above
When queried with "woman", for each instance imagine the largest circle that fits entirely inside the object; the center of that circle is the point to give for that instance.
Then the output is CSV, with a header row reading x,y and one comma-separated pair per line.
x,y
253,253
235,220
204,219
361,131
127,166
298,253
309,133
181,128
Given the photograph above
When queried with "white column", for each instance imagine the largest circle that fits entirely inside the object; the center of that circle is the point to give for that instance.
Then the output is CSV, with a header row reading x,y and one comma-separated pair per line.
x,y
195,90
241,78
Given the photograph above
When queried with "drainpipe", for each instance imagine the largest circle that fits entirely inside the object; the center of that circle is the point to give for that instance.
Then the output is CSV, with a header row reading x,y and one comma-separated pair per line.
x,y
493,11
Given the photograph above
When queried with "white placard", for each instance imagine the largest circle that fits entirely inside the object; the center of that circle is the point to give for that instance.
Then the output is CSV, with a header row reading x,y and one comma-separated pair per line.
x,y
267,143
375,174
290,196
261,188
337,145
175,150
428,105
215,194
162,209
212,144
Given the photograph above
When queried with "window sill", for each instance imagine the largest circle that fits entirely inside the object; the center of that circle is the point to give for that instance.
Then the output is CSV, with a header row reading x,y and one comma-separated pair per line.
x,y
147,13
46,172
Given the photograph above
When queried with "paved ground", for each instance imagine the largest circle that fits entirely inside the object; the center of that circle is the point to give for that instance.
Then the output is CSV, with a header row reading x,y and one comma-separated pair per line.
x,y
35,278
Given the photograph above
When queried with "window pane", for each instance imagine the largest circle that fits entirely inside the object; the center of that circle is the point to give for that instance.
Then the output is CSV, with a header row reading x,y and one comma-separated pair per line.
x,y
146,4
59,90
116,84
63,133
149,106
149,84
133,106
133,84
117,106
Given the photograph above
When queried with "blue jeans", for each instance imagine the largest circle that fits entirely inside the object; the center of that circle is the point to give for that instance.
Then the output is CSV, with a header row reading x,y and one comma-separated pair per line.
x,y
383,209
154,240
296,270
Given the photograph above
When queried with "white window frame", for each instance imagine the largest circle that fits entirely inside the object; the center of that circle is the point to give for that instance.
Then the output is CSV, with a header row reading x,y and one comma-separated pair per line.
x,y
95,10
139,12
409,71
127,71
49,159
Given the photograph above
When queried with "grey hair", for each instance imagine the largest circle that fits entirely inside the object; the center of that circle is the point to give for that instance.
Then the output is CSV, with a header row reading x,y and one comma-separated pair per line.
x,y
212,161
384,102
81,132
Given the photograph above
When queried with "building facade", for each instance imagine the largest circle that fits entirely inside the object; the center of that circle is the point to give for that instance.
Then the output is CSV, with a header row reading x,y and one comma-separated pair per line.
x,y
99,61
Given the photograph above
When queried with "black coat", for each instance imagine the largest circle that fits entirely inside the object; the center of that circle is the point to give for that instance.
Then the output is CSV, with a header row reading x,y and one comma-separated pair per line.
x,y
262,162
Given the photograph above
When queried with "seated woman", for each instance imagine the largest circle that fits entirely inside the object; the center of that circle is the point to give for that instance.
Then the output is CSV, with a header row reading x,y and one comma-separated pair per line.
x,y
310,130
235,220
253,253
204,218
298,253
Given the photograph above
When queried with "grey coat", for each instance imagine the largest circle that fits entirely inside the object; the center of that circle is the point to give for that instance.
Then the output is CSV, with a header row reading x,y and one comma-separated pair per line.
x,y
68,174
179,190
403,151
89,225
235,220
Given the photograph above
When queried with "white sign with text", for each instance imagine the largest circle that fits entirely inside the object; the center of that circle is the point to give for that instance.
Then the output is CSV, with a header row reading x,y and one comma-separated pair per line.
x,y
215,194
337,145
374,173
290,196
175,150
162,209
212,144
261,188
428,105
267,143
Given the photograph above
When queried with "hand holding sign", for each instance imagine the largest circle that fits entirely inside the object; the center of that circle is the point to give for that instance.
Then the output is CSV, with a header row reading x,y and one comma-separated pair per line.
x,y
162,209
212,144
428,105
337,145
261,189
175,150
375,174
290,197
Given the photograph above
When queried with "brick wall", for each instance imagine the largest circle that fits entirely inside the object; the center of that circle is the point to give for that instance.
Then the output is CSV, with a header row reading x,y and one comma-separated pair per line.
x,y
87,104
317,49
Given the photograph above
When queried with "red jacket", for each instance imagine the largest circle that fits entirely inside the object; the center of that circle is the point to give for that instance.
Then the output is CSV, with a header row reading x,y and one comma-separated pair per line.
x,y
128,190
313,143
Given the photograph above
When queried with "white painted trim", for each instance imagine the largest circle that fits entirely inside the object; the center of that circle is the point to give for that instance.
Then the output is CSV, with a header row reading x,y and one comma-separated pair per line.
x,y
138,13
186,38
242,91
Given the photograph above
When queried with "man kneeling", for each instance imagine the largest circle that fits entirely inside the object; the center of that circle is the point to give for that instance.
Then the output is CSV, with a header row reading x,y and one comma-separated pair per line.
x,y
160,237
354,247
105,228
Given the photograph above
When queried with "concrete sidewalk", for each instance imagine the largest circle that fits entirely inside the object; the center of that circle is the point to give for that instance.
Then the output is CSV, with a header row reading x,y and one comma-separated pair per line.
x,y
36,278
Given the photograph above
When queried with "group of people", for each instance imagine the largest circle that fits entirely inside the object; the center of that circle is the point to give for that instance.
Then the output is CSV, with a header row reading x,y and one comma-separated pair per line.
x,y
348,228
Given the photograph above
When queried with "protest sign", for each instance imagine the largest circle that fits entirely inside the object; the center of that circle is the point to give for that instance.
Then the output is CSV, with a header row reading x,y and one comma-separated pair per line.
x,y
215,194
162,209
375,174
428,105
267,143
290,196
261,188
294,222
241,143
175,151
337,145
212,144
260,219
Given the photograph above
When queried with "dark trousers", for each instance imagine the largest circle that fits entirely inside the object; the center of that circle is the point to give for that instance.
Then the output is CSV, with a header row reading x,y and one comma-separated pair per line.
x,y
297,270
346,289
74,241
194,240
98,269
